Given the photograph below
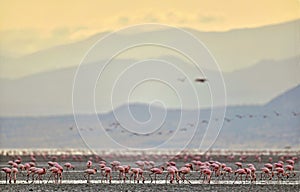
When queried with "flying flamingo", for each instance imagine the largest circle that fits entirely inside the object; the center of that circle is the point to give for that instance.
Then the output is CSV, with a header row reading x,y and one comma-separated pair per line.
x,y
156,171
201,80
89,172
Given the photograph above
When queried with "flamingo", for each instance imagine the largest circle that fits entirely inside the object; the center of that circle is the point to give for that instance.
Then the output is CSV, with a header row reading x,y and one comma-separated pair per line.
x,y
227,171
89,172
185,170
123,169
201,80
290,161
136,172
89,164
114,164
14,172
69,166
253,170
31,171
55,173
156,171
7,172
107,173
240,172
172,171
207,174
239,164
267,172
269,166
140,164
40,172
280,173
290,170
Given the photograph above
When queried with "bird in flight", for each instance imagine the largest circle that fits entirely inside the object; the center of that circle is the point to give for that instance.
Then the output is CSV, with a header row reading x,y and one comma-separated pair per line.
x,y
201,80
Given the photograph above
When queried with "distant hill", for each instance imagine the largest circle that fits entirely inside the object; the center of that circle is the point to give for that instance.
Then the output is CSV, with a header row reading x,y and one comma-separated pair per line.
x,y
51,93
237,48
275,125
288,100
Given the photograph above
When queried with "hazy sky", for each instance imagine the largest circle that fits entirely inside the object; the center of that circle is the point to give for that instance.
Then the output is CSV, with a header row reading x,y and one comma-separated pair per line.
x,y
32,25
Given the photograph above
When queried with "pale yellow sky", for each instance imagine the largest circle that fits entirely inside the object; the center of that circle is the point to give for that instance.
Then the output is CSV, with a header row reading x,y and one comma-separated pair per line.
x,y
31,25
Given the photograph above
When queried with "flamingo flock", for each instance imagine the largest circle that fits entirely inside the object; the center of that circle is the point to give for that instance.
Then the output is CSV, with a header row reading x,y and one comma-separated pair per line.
x,y
142,170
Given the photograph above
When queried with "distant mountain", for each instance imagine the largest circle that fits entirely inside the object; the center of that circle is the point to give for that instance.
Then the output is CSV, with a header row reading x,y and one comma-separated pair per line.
x,y
287,100
51,93
274,125
233,49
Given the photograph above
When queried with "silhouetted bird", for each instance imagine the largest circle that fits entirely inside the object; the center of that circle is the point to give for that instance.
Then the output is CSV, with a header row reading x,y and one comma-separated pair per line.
x,y
201,80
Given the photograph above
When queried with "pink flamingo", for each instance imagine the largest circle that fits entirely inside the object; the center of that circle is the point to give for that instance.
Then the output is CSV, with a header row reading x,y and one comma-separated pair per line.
x,y
69,166
207,175
280,173
89,164
123,169
7,172
114,164
253,170
266,172
185,170
240,172
173,172
156,171
248,173
31,171
107,173
89,172
56,173
14,172
269,166
290,161
278,165
227,171
290,170
136,172
239,164
40,172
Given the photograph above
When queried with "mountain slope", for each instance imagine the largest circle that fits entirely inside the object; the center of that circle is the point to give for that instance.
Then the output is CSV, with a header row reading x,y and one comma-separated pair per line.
x,y
270,126
234,49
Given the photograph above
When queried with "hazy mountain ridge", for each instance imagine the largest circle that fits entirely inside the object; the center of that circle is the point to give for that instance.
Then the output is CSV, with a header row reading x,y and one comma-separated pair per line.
x,y
50,93
269,126
231,48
